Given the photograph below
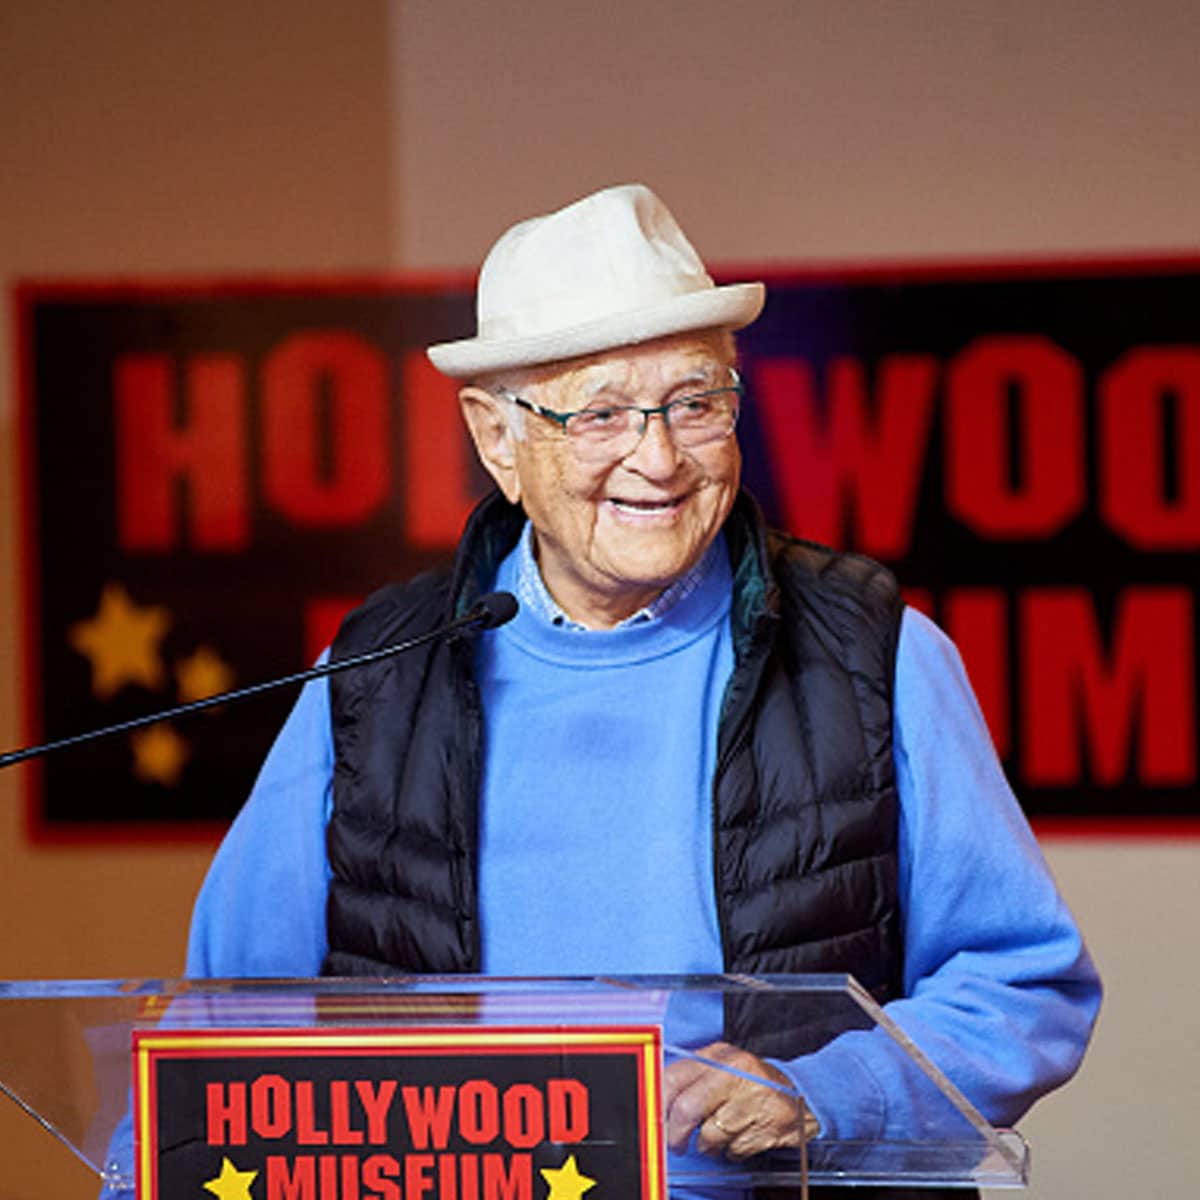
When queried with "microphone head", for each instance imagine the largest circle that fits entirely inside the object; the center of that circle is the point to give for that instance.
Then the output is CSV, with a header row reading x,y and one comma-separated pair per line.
x,y
495,608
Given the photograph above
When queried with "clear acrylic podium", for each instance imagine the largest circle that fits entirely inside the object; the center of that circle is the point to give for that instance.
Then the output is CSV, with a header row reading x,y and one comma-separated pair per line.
x,y
66,1058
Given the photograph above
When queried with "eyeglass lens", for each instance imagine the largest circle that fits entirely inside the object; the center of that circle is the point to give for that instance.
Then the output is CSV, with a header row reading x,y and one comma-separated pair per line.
x,y
692,421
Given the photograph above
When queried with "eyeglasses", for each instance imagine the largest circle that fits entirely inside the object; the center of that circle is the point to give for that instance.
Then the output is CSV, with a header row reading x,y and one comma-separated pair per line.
x,y
604,432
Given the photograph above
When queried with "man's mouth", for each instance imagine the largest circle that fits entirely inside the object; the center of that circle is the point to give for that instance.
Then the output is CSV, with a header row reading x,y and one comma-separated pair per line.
x,y
645,508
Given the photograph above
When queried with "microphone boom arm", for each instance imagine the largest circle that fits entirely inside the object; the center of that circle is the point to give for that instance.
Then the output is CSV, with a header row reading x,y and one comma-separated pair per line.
x,y
489,611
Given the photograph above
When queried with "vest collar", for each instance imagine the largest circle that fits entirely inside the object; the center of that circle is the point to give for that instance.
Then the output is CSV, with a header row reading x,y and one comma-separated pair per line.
x,y
494,528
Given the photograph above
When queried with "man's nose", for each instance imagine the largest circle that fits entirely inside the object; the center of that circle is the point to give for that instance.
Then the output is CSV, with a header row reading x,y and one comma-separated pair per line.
x,y
656,454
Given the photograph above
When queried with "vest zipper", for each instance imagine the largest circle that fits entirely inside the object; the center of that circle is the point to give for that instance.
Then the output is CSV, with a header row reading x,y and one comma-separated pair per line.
x,y
472,710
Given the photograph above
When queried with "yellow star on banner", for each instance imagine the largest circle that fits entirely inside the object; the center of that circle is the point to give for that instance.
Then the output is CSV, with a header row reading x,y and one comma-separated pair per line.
x,y
203,674
231,1184
121,642
566,1183
159,755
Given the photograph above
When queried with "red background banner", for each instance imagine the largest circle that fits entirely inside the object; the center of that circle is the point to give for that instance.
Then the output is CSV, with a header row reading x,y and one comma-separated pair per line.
x,y
215,472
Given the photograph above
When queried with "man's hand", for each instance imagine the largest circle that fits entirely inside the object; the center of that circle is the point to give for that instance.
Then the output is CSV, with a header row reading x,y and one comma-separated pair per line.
x,y
732,1115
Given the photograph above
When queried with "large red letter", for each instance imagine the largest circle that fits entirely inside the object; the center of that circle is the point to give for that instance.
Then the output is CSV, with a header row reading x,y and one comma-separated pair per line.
x,y
1081,692
297,1183
514,1182
1025,482
204,449
1134,451
570,1119
226,1114
429,1113
339,479
524,1116
271,1106
479,1111
436,479
849,457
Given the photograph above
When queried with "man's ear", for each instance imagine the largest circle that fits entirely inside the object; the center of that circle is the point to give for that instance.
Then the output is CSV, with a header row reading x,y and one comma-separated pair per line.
x,y
493,438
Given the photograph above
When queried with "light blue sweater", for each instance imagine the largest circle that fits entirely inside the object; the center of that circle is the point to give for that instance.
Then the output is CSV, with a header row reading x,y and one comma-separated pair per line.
x,y
596,821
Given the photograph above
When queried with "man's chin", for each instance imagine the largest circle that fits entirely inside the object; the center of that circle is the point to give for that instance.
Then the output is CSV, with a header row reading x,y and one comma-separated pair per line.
x,y
652,573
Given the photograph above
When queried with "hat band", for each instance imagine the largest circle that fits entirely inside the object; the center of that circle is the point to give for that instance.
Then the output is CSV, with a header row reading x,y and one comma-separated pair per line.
x,y
550,313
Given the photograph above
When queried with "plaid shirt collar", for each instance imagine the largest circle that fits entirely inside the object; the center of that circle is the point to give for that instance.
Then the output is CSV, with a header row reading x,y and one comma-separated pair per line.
x,y
535,596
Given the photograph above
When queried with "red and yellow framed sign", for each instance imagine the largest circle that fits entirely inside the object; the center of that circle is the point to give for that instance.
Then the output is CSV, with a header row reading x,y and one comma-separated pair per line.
x,y
495,1113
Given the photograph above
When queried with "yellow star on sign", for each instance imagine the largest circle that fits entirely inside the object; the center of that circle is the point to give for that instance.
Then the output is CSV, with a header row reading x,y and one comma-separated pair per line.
x,y
121,642
203,674
159,755
566,1183
231,1184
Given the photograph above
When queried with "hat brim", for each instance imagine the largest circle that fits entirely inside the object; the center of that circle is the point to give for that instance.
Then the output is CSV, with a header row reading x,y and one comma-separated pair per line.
x,y
730,307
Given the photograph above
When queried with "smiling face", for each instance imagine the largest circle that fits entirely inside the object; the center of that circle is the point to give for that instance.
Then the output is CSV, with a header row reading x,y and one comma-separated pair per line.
x,y
611,536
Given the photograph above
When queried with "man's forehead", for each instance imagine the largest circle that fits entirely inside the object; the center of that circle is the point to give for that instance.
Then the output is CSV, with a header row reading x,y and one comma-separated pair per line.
x,y
667,362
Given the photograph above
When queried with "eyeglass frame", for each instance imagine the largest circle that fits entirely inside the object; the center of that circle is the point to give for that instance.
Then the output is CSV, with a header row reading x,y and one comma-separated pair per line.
x,y
663,410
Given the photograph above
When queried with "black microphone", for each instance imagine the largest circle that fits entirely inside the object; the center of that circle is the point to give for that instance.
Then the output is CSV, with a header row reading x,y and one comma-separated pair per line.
x,y
490,610
495,608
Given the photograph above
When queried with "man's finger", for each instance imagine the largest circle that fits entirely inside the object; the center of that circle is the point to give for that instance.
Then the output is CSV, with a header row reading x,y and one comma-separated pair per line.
x,y
691,1105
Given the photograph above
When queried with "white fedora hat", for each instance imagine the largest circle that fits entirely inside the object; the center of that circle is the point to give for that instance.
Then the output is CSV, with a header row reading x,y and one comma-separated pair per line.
x,y
612,269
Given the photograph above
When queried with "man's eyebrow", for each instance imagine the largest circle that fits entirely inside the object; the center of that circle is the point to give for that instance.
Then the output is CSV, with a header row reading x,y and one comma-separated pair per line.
x,y
596,386
703,375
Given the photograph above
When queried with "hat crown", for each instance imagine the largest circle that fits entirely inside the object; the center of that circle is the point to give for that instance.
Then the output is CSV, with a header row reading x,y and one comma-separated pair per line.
x,y
613,269
612,252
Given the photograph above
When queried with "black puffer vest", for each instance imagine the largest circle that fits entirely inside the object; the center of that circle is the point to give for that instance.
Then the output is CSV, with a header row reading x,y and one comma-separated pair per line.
x,y
805,794
805,804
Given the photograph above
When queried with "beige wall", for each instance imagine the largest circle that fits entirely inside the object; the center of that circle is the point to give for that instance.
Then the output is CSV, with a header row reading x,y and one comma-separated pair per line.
x,y
150,139
794,129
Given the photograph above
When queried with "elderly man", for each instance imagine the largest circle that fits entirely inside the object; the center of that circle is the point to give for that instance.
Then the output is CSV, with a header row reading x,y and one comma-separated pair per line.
x,y
699,747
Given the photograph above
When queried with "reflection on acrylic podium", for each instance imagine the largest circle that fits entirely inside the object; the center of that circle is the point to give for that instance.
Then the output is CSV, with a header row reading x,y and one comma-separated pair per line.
x,y
453,1087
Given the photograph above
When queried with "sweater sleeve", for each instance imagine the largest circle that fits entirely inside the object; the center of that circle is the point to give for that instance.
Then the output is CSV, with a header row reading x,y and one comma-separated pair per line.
x,y
261,909
1000,992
